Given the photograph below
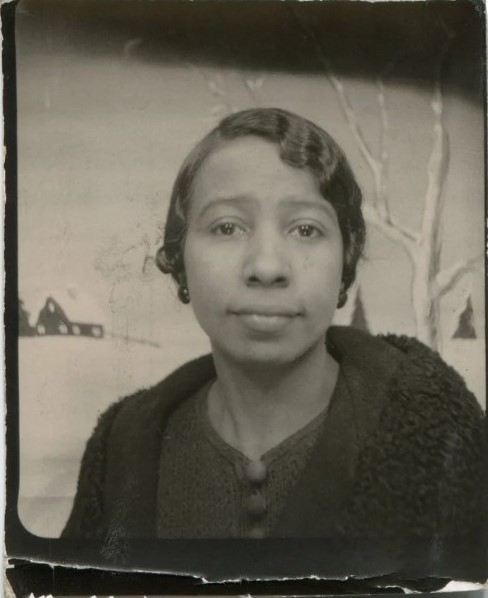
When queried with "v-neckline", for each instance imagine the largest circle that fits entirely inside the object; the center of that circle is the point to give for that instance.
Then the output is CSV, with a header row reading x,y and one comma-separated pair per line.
x,y
273,454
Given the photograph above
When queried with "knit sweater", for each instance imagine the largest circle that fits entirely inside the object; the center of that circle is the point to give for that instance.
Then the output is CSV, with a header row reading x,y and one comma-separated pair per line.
x,y
405,454
217,497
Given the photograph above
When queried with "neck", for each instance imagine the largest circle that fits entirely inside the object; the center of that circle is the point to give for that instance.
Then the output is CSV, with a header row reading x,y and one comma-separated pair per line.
x,y
254,408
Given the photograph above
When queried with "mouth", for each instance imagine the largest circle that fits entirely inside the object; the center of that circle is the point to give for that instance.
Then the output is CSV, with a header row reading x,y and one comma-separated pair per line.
x,y
266,311
265,319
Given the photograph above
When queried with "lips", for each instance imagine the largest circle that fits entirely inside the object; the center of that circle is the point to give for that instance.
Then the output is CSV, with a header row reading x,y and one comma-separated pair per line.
x,y
265,319
266,311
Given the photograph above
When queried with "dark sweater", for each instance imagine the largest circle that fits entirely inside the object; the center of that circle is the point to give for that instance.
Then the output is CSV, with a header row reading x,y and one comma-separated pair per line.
x,y
404,455
216,498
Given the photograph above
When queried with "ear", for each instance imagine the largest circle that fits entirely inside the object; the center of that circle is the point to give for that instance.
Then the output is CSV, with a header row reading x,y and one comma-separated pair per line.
x,y
162,262
342,299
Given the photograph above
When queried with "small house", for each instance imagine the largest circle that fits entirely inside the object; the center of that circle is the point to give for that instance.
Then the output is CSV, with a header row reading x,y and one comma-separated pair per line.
x,y
69,313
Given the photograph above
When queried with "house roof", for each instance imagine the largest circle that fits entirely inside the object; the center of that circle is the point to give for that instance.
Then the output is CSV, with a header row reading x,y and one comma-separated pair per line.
x,y
77,305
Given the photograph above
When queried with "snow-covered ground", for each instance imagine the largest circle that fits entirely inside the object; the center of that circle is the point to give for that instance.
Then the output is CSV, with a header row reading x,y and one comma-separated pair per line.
x,y
467,356
66,382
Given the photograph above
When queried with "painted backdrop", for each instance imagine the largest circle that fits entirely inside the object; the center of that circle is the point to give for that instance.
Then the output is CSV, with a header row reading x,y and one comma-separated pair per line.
x,y
112,96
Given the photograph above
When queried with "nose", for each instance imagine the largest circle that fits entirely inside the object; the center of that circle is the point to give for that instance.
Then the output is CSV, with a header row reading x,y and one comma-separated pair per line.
x,y
266,263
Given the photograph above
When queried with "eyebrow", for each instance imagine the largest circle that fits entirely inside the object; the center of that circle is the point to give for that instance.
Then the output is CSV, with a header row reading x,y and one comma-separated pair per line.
x,y
324,205
289,202
222,201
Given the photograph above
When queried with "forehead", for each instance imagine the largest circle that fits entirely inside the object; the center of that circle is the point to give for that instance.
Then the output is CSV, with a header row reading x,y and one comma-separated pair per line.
x,y
251,166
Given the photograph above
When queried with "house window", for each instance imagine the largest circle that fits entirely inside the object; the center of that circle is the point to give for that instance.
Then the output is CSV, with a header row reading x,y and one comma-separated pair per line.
x,y
96,331
76,329
63,329
41,329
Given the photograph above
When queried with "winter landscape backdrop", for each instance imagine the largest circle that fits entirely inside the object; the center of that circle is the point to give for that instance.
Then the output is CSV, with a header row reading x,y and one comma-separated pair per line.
x,y
111,97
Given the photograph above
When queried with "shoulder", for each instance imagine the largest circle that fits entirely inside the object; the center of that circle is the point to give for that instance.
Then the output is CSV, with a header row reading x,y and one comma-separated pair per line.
x,y
147,405
413,375
423,464
397,383
426,383
421,392
120,458
175,388
435,416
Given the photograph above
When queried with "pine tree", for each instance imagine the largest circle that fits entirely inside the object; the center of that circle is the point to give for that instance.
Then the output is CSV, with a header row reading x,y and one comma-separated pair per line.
x,y
465,328
359,317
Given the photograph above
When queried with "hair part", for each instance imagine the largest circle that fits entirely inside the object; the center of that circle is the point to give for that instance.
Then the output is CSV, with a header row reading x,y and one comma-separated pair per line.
x,y
301,144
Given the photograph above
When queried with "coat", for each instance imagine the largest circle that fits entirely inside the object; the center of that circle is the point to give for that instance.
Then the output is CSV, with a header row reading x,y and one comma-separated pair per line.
x,y
405,456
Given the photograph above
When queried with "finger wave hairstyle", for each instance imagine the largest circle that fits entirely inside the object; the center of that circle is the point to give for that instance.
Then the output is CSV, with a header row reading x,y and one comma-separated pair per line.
x,y
301,144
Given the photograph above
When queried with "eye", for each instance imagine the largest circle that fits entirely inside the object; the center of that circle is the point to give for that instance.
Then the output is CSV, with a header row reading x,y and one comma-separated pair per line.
x,y
227,229
306,231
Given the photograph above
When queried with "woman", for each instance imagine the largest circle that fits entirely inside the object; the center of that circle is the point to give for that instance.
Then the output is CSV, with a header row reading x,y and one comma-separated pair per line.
x,y
278,433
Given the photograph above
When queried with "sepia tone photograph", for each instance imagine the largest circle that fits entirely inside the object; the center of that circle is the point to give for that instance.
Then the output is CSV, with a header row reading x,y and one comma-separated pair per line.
x,y
250,276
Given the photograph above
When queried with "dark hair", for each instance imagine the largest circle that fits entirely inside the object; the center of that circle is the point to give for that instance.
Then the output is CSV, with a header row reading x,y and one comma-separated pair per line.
x,y
301,144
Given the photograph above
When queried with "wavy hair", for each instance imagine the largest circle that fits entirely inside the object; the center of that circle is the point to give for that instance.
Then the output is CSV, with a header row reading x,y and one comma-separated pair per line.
x,y
301,144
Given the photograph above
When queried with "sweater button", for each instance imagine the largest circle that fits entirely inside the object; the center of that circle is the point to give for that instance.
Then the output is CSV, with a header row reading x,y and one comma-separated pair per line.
x,y
255,505
255,472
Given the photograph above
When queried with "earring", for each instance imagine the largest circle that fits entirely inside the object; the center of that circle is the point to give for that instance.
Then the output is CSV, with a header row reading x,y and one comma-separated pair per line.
x,y
184,294
342,298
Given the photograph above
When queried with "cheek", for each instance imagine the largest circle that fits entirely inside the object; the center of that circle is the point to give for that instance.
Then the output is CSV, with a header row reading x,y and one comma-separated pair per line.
x,y
323,270
205,277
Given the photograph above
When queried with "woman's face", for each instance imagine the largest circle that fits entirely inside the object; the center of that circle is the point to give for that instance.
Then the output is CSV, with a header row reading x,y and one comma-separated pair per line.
x,y
263,255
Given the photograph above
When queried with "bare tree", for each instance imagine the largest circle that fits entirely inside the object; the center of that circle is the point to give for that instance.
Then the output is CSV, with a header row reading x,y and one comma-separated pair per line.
x,y
217,84
429,282
423,246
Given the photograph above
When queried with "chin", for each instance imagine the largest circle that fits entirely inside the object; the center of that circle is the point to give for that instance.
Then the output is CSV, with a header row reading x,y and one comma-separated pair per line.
x,y
269,355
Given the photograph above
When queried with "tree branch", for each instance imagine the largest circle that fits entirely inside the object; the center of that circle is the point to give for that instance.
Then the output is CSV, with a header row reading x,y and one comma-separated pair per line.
x,y
448,278
351,120
436,168
377,214
407,239
408,232
252,85
218,87
376,166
